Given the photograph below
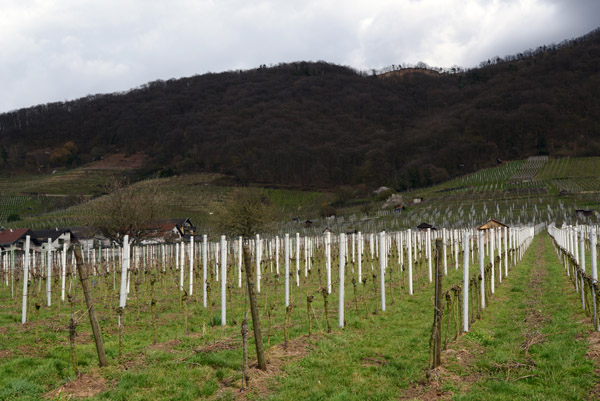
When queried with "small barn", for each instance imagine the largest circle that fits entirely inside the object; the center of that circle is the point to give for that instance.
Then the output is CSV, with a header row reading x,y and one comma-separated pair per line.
x,y
584,213
184,225
425,226
491,223
308,223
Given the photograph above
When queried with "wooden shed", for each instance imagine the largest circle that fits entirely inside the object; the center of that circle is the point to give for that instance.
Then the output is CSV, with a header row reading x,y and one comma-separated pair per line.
x,y
583,213
491,223
425,226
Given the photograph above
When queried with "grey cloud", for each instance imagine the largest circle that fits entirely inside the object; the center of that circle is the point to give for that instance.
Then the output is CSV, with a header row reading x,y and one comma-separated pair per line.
x,y
54,51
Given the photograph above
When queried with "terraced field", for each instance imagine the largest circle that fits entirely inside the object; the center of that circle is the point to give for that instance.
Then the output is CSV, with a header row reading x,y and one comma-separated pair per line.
x,y
520,191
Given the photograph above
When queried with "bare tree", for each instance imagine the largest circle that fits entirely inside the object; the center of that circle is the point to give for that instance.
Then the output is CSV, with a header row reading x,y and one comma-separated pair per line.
x,y
126,210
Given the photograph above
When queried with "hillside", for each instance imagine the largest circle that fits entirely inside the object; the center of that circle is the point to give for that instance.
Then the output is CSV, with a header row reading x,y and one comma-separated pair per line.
x,y
520,192
318,125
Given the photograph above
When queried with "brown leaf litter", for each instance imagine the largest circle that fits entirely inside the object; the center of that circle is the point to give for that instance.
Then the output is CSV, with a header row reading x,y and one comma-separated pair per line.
x,y
86,385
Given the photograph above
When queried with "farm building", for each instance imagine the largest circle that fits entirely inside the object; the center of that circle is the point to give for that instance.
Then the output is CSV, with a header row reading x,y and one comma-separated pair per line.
x,y
166,231
491,223
184,225
425,226
308,223
380,190
57,237
88,237
16,237
583,213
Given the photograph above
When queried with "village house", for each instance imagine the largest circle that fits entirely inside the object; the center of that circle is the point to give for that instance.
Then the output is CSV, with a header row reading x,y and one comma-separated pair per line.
x,y
88,237
15,237
183,225
57,237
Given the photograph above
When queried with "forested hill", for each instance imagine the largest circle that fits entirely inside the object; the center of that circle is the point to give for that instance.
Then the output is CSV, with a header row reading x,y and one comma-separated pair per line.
x,y
321,125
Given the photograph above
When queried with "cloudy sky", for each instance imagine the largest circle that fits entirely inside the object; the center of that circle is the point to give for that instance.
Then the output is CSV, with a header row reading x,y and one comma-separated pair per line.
x,y
56,50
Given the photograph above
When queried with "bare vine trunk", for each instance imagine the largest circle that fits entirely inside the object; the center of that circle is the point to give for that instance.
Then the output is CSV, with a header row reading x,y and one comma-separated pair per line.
x,y
83,277
260,351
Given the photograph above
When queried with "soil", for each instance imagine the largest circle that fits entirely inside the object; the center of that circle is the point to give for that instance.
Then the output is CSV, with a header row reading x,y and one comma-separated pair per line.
x,y
432,389
119,161
167,346
5,353
594,354
277,357
86,385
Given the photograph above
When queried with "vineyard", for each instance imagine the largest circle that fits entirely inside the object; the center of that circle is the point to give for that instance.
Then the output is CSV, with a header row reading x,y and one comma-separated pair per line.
x,y
524,191
175,333
370,308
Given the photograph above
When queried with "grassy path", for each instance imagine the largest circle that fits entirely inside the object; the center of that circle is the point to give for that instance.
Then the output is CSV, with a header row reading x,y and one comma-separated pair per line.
x,y
532,345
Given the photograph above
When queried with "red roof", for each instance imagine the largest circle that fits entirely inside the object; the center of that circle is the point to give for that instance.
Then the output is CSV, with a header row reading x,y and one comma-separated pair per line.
x,y
12,236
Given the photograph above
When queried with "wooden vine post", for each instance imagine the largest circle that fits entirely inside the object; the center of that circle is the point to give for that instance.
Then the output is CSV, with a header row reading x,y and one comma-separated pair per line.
x,y
260,351
83,277
437,311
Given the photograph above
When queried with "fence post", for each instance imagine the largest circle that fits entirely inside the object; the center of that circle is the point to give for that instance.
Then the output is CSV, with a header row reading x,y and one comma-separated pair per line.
x,y
437,312
204,267
582,265
223,280
382,260
287,269
594,274
25,279
482,268
466,282
342,276
410,269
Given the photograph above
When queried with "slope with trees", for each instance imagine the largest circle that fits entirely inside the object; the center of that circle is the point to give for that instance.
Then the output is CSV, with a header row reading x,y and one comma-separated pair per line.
x,y
315,124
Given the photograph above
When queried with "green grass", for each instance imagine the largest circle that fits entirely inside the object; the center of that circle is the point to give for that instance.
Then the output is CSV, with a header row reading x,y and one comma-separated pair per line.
x,y
570,167
195,196
178,368
81,181
557,367
377,356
